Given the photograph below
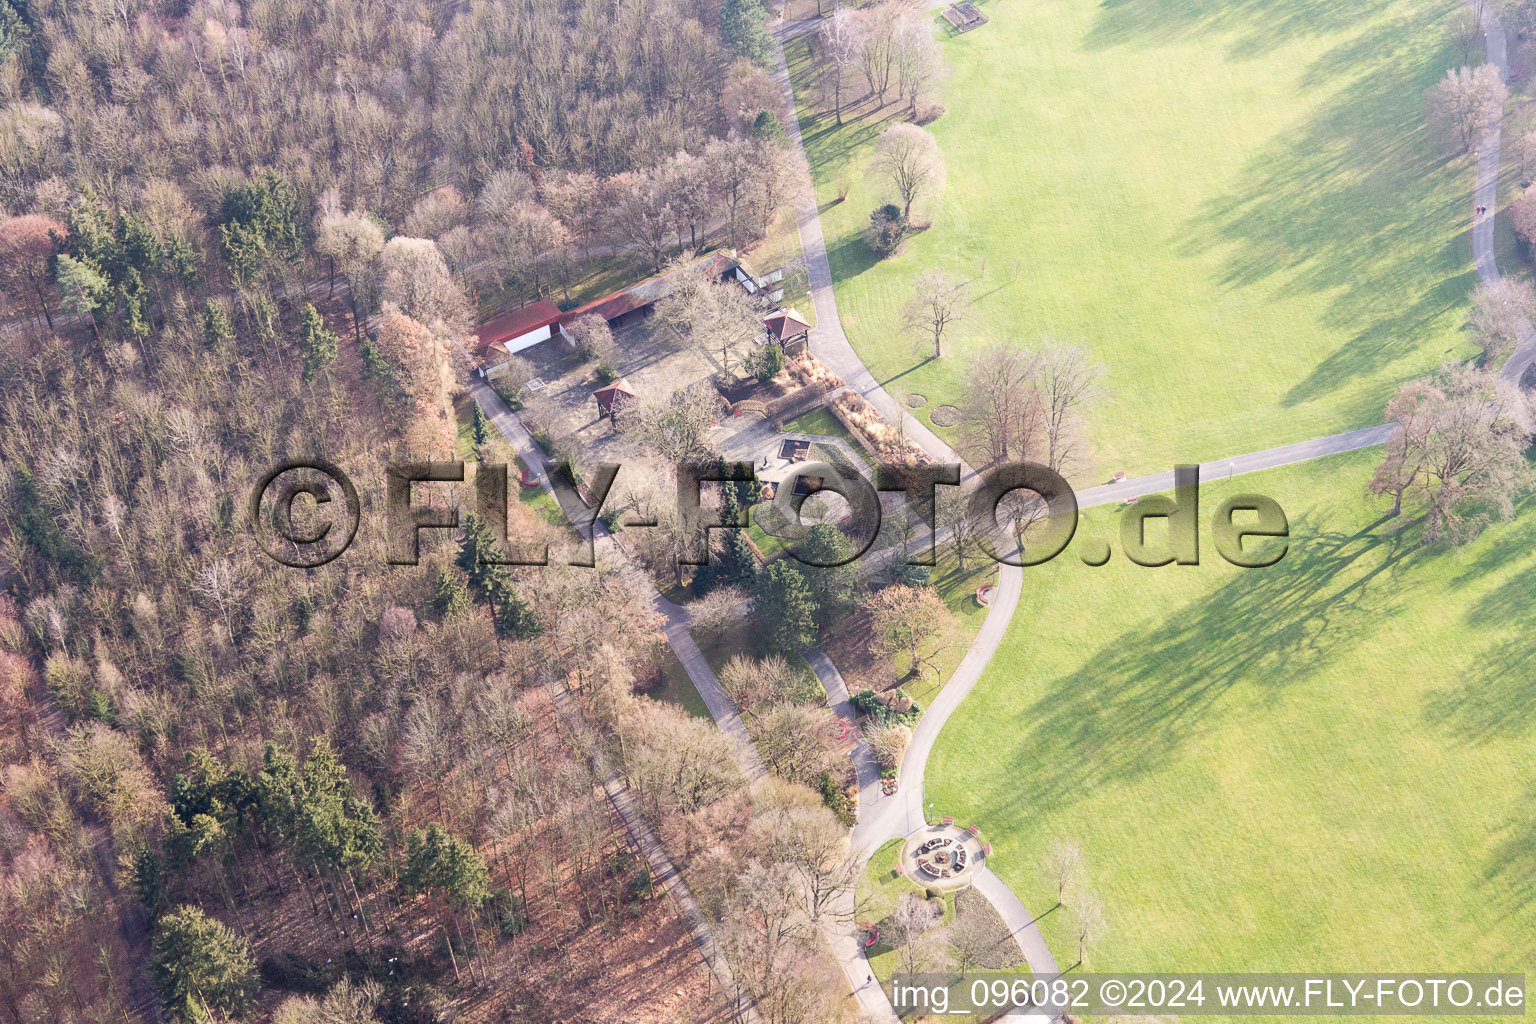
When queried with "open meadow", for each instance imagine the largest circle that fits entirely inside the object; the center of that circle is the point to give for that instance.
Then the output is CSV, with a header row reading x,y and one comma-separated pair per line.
x,y
1235,206
1322,765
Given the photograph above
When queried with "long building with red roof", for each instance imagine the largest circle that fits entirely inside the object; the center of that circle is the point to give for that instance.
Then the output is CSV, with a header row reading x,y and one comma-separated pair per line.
x,y
512,332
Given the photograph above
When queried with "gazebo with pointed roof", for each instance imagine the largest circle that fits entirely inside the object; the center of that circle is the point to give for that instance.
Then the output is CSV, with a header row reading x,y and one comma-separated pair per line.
x,y
612,397
786,326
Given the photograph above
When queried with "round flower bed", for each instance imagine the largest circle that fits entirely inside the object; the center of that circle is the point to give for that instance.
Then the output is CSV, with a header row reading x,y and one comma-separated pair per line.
x,y
945,416
837,730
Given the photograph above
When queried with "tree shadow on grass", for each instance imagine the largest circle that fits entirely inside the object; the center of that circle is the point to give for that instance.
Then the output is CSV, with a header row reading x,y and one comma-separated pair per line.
x,y
1132,705
1516,541
924,361
828,146
850,256
1261,25
1352,205
1496,698
1512,870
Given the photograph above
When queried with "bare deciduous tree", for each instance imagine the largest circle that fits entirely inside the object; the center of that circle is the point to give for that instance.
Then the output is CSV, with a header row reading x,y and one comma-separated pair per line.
x,y
350,242
751,178
788,739
842,43
591,336
767,939
958,519
643,221
1088,913
718,610
749,90
1522,212
436,213
1003,417
216,581
691,194
909,925
756,682
414,278
530,241
673,760
913,621
1465,104
672,428
1028,403
26,244
1064,866
577,199
719,318
1460,443
908,161
1464,29
974,942
1500,311
918,63
1068,381
815,844
936,303
423,364
876,58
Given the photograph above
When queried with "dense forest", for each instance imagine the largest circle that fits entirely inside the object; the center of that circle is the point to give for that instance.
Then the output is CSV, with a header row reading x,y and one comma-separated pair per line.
x,y
235,232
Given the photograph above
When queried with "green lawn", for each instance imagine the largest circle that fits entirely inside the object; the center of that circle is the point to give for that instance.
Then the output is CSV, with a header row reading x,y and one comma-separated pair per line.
x,y
1234,206
818,421
464,428
876,894
677,688
880,886
540,501
1323,765
770,546
878,890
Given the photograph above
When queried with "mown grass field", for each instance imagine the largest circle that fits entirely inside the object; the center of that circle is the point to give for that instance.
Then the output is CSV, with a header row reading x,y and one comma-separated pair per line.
x,y
1235,206
1323,765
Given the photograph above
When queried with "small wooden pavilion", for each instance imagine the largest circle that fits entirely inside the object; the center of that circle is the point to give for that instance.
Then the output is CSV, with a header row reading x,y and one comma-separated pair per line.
x,y
612,398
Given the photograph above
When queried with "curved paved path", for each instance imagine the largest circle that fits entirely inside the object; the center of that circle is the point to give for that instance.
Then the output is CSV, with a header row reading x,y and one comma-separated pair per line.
x,y
827,339
883,818
1486,195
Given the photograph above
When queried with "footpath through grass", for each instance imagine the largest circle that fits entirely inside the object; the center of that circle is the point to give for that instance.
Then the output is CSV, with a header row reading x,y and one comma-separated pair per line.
x,y
1323,765
1235,206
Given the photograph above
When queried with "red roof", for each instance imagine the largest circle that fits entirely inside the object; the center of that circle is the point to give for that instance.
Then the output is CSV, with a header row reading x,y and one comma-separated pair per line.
x,y
652,289
785,323
516,324
608,397
609,307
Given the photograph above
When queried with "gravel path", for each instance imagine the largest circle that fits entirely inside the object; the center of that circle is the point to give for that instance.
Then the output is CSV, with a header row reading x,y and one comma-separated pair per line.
x,y
663,872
